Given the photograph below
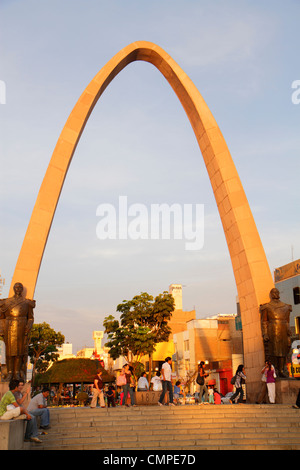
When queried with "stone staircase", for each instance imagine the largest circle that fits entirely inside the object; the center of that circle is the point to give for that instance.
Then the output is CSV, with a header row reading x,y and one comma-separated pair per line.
x,y
189,428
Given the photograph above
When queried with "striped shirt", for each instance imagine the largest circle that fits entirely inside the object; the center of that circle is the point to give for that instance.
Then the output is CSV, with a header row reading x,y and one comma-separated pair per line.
x,y
238,379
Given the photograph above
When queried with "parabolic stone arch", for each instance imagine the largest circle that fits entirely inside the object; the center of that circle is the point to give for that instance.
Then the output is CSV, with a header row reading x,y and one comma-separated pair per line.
x,y
252,274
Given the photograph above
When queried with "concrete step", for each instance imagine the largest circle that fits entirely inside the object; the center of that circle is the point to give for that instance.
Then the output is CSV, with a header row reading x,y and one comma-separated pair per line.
x,y
235,427
200,429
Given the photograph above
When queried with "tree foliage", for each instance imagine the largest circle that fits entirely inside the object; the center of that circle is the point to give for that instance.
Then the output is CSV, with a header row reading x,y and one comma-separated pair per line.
x,y
143,324
42,348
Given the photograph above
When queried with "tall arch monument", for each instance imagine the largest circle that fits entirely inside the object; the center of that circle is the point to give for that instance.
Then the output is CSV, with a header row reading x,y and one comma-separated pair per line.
x,y
252,274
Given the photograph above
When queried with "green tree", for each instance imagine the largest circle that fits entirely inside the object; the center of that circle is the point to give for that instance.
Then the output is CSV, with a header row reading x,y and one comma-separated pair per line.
x,y
143,324
42,348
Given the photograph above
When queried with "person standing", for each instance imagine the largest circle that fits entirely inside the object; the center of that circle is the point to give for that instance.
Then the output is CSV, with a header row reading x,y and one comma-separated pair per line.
x,y
127,387
201,382
166,372
38,407
270,376
240,377
263,391
98,390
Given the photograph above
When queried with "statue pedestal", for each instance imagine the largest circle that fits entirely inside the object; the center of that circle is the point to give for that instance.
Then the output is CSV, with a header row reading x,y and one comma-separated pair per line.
x,y
3,388
287,391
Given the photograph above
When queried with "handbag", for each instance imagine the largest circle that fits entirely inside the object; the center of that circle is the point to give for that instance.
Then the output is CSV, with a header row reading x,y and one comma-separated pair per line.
x,y
200,379
121,380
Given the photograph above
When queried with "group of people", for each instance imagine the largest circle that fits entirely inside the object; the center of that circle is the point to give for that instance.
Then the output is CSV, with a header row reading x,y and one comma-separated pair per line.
x,y
268,385
211,395
99,393
160,382
208,392
268,379
17,401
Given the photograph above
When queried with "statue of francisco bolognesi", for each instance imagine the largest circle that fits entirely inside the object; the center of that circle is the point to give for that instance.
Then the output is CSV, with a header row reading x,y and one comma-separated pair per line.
x,y
16,320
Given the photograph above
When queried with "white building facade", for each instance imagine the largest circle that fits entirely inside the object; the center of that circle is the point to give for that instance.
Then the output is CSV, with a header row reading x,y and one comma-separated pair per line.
x,y
287,281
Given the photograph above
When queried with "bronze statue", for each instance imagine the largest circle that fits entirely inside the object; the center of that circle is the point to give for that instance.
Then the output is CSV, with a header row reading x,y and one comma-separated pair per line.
x,y
16,320
275,322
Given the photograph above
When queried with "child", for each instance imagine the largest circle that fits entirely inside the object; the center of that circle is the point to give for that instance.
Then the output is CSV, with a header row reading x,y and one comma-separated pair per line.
x,y
110,395
217,397
177,392
211,394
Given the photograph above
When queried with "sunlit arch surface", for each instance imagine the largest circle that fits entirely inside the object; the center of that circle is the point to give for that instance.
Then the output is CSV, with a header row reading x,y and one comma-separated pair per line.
x,y
252,274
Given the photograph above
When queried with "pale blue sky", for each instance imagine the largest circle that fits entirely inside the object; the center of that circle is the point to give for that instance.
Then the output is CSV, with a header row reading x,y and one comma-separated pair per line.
x,y
242,56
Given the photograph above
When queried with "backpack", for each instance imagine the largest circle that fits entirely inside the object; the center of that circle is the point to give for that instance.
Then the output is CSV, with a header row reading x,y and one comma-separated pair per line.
x,y
232,381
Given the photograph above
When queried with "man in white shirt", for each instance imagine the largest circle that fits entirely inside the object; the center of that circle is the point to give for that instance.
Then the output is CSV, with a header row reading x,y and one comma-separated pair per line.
x,y
166,372
156,381
38,407
143,383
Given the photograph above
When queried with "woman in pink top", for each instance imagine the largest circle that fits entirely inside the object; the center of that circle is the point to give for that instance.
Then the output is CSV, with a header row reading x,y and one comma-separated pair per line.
x,y
270,374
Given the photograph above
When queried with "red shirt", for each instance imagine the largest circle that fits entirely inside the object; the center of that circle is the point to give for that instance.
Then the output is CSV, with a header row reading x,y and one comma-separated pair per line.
x,y
98,380
217,398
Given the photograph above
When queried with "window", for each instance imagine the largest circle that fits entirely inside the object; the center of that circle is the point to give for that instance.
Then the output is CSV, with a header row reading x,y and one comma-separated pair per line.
x,y
296,292
297,325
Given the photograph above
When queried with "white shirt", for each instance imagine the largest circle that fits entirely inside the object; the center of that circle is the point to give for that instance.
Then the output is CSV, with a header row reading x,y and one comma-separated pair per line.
x,y
36,401
167,371
157,385
143,383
